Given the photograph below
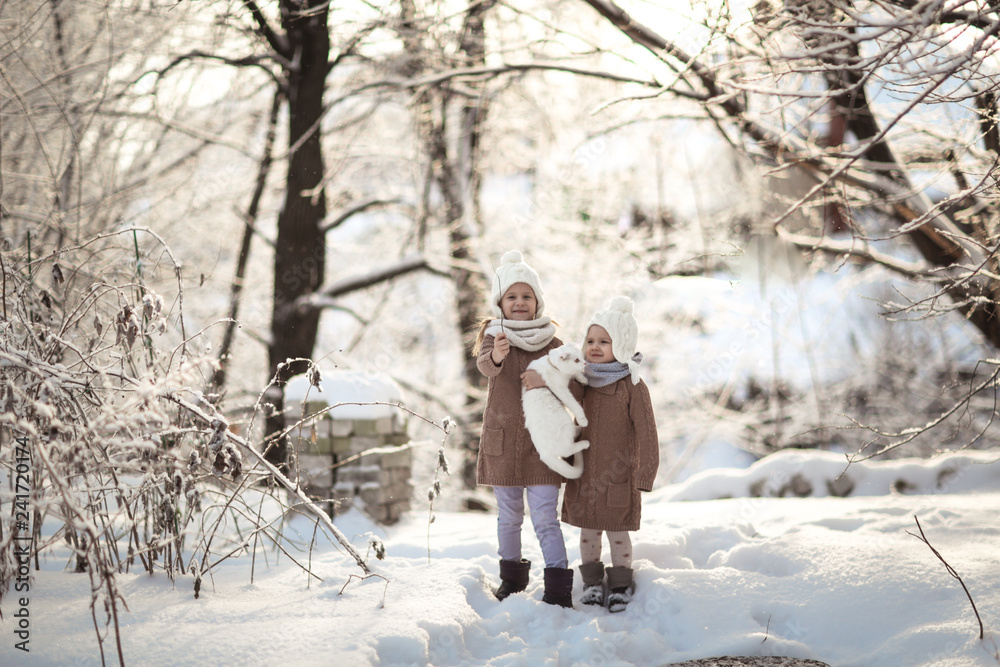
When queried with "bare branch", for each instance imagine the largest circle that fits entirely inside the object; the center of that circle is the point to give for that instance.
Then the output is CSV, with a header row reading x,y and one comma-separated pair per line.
x,y
246,61
950,569
906,436
978,19
277,40
478,73
660,47
858,248
323,298
369,576
358,208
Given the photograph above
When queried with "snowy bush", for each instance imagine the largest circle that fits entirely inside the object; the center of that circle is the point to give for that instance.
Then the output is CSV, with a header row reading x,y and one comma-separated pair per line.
x,y
110,444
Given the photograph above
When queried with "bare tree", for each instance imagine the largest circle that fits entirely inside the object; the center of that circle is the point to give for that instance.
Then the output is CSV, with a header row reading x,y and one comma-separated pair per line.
x,y
295,48
864,105
449,119
807,65
54,98
103,437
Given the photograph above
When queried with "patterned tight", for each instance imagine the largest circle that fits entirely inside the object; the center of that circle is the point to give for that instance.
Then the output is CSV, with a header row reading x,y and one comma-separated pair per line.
x,y
620,543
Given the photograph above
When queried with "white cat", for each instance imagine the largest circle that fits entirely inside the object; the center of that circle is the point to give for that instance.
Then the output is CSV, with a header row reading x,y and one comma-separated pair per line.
x,y
545,410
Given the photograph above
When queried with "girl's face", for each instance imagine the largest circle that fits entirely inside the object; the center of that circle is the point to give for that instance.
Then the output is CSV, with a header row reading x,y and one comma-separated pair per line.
x,y
518,302
597,346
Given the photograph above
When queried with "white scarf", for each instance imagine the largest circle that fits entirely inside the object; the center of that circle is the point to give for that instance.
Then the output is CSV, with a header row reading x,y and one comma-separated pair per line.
x,y
528,335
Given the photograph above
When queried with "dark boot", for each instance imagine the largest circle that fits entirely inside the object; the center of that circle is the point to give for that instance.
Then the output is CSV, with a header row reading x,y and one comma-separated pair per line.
x,y
513,577
593,583
559,586
621,585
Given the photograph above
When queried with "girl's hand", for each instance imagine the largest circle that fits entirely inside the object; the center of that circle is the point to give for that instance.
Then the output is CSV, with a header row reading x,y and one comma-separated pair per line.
x,y
532,380
501,348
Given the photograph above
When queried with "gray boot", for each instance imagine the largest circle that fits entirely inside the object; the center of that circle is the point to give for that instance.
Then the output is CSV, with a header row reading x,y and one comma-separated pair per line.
x,y
621,585
593,583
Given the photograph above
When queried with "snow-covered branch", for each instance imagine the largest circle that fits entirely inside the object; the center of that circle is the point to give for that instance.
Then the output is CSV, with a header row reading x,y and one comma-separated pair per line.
x,y
278,476
857,248
325,298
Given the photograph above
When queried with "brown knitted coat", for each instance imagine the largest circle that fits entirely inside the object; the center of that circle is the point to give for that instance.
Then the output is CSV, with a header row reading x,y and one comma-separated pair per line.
x,y
507,456
621,461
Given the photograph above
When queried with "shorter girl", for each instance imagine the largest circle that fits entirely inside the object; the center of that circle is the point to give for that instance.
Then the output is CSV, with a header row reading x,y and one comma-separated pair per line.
x,y
622,459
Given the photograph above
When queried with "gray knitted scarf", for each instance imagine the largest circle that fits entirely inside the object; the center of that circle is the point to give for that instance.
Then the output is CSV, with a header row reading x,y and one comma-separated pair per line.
x,y
601,375
528,335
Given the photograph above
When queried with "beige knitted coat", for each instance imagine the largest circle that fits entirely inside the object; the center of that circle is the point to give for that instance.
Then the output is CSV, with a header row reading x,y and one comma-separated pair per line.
x,y
507,456
621,461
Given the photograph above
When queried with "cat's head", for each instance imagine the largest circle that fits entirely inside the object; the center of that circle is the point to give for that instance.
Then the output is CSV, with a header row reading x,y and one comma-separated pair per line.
x,y
567,358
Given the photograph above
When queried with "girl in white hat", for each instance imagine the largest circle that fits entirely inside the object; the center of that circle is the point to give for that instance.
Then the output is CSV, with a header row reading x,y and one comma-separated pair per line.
x,y
517,334
622,459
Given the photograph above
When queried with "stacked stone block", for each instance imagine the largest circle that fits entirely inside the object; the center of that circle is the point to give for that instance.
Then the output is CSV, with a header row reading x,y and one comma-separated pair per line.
x,y
343,461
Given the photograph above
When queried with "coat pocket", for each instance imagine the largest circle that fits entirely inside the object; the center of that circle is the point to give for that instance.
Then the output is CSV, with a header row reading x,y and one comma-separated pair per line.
x,y
619,495
492,441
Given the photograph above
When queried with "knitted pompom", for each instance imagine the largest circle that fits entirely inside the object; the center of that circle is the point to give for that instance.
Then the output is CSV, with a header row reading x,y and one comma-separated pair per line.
x,y
511,257
622,304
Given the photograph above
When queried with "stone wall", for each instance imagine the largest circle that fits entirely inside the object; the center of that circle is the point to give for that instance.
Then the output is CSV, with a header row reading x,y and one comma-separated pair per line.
x,y
344,461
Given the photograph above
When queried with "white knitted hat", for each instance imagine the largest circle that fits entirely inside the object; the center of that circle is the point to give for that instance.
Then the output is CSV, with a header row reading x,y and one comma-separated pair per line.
x,y
513,270
620,324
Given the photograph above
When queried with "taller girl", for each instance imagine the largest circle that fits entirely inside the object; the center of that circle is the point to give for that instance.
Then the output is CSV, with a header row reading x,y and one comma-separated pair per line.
x,y
518,334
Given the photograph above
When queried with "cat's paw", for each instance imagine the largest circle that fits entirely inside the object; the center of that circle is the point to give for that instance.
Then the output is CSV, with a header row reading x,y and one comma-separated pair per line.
x,y
582,421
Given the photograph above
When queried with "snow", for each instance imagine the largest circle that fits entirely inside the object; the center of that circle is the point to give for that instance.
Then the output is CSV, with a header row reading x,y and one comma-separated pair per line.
x,y
743,327
828,578
823,470
363,395
719,571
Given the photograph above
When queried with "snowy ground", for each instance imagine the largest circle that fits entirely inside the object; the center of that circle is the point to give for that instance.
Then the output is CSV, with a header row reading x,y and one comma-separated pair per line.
x,y
834,579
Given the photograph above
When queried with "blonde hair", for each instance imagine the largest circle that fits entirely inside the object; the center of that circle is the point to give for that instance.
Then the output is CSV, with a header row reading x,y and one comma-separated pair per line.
x,y
483,323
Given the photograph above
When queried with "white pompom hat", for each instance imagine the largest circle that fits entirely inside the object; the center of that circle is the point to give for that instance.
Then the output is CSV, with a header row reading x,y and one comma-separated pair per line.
x,y
513,270
618,320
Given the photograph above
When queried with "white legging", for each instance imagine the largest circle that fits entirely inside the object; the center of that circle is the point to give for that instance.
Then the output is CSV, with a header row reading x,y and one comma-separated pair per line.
x,y
620,543
542,501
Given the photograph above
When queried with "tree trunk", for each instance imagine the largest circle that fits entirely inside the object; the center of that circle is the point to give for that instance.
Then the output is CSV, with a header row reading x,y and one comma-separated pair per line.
x,y
470,288
469,283
300,252
454,171
218,382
